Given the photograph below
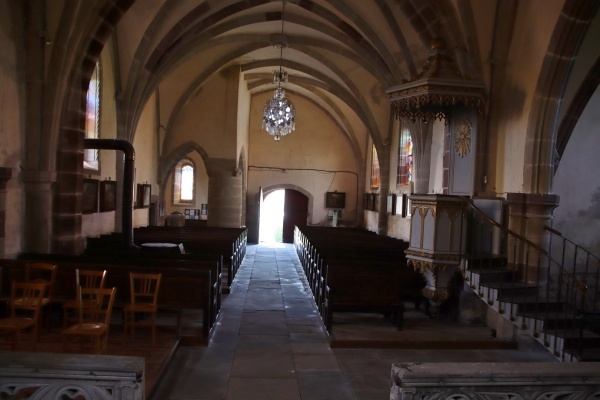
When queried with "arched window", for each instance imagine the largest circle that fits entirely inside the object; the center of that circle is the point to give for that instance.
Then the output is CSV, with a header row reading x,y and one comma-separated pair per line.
x,y
184,180
375,176
405,158
91,160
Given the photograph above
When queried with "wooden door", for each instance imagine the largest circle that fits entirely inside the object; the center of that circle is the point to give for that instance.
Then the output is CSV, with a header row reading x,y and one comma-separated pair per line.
x,y
295,212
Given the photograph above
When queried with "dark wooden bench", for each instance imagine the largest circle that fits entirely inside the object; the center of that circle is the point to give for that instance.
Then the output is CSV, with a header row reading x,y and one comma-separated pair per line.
x,y
184,286
228,242
354,270
369,287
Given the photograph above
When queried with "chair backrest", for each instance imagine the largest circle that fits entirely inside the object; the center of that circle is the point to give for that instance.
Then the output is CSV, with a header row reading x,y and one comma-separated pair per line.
x,y
26,298
144,287
101,309
41,272
91,278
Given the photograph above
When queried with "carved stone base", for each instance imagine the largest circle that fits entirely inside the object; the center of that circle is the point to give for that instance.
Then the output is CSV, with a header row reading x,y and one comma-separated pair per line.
x,y
74,376
492,381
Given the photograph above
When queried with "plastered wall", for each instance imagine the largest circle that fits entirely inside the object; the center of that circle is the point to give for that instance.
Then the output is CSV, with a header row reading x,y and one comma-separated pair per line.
x,y
577,181
315,157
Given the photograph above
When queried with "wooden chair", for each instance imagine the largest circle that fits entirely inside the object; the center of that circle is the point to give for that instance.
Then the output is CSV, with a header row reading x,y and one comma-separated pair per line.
x,y
144,303
25,308
86,279
94,321
43,273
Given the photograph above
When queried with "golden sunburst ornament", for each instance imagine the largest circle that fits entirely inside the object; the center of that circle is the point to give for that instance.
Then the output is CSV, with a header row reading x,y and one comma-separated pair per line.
x,y
462,138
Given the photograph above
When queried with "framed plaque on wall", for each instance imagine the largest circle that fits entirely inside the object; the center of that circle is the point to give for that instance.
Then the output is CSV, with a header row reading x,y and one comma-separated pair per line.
x,y
143,195
90,196
108,196
335,200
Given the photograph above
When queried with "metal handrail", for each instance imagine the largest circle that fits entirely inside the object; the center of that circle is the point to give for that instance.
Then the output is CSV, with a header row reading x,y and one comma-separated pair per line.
x,y
531,267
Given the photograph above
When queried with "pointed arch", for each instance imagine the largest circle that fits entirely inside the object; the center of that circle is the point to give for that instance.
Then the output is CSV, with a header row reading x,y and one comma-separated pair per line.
x,y
555,73
171,160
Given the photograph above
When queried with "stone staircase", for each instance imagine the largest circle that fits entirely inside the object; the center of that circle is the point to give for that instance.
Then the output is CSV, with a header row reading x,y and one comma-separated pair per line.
x,y
554,302
550,321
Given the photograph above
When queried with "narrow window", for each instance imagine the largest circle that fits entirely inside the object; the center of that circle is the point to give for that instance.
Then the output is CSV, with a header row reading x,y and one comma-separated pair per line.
x,y
405,158
184,182
375,176
91,161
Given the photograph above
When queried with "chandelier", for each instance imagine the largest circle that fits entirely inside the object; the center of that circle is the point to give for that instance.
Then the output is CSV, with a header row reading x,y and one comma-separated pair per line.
x,y
279,114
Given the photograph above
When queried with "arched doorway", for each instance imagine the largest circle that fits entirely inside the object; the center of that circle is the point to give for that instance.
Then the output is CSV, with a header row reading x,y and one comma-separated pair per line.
x,y
280,212
271,217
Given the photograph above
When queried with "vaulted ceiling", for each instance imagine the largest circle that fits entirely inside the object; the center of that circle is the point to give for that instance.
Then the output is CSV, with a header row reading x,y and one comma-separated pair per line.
x,y
340,54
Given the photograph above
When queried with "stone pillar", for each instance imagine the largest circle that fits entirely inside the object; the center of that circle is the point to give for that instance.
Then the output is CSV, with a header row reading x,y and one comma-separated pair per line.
x,y
224,193
38,210
529,213
5,175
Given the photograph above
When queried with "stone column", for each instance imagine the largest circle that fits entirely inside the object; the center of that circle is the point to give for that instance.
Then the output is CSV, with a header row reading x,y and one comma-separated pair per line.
x,y
5,175
529,213
38,210
224,193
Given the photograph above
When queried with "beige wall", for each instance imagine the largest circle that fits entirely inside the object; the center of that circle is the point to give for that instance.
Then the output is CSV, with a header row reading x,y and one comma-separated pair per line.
x,y
210,119
578,183
533,28
302,158
145,144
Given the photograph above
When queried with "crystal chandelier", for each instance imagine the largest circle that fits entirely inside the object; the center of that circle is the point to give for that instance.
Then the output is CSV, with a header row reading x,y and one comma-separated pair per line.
x,y
279,114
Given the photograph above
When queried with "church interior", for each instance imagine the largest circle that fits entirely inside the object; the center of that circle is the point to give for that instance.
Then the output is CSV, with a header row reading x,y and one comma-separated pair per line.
x,y
437,125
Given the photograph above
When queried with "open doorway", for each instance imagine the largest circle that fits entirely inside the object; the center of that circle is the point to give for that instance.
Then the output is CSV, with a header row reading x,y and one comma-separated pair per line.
x,y
280,211
271,217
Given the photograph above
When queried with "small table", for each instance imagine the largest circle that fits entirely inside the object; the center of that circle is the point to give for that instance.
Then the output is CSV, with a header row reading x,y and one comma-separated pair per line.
x,y
162,248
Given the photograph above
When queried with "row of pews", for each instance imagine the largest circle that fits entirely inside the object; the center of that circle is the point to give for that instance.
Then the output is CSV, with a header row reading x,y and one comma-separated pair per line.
x,y
190,280
354,270
228,242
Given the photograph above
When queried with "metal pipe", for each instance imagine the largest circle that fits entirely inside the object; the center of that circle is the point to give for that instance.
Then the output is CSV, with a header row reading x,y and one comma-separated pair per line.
x,y
128,168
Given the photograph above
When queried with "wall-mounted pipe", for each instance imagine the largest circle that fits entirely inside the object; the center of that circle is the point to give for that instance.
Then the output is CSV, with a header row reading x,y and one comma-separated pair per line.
x,y
128,168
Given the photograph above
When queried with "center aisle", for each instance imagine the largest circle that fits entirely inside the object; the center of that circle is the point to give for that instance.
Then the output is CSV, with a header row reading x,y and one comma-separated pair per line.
x,y
269,342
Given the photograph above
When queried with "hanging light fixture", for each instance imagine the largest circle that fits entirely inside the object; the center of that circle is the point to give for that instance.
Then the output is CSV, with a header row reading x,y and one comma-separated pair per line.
x,y
279,115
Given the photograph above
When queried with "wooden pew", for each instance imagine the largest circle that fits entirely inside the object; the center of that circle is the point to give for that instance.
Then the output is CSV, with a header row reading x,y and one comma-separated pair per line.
x,y
350,269
229,242
184,286
370,287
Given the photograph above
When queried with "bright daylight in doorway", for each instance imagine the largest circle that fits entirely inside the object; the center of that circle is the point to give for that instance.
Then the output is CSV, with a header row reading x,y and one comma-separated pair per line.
x,y
271,217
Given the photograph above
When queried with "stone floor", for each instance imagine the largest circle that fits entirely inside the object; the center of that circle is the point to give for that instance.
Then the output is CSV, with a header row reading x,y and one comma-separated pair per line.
x,y
269,343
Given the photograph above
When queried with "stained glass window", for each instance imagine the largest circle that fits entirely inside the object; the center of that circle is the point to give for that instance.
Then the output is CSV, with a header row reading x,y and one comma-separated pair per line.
x,y
375,175
92,120
405,158
184,182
